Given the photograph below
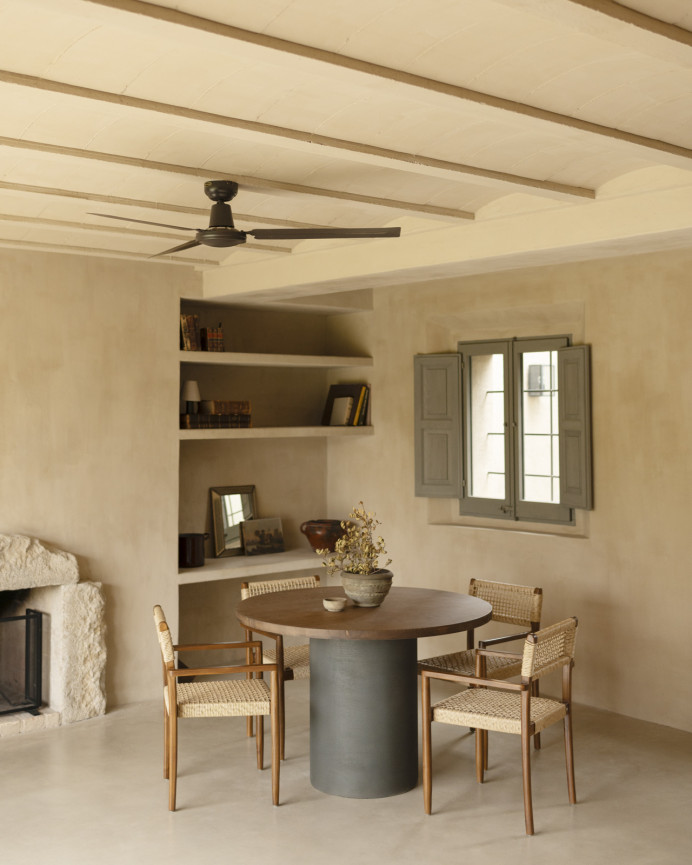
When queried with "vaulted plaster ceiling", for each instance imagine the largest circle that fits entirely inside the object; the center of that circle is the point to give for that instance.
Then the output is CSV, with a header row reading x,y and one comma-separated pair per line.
x,y
497,133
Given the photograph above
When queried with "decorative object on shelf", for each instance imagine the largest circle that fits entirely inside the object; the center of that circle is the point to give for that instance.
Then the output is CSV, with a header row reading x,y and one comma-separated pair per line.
x,y
356,555
323,534
212,338
230,506
191,397
191,549
346,405
224,414
334,605
262,536
190,339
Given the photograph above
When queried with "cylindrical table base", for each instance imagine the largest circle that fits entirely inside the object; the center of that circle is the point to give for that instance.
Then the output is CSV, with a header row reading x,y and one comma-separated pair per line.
x,y
363,717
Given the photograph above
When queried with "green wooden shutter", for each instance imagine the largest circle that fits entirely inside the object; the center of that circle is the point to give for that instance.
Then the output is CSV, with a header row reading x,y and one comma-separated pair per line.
x,y
437,402
575,426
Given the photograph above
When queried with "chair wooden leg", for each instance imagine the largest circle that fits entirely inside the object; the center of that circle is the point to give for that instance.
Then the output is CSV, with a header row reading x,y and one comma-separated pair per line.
x,y
486,736
282,719
480,754
537,737
427,751
275,720
249,726
260,741
569,759
526,777
172,758
166,734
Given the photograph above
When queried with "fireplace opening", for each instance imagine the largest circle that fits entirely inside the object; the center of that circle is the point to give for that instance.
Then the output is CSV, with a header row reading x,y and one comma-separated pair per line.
x,y
20,662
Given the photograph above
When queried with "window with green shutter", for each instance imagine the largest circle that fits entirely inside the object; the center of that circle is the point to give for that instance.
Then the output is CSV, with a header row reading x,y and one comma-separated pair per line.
x,y
504,426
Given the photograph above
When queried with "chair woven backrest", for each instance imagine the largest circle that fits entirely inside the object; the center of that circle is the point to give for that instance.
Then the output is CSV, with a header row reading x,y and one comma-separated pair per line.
x,y
549,649
514,605
264,587
164,635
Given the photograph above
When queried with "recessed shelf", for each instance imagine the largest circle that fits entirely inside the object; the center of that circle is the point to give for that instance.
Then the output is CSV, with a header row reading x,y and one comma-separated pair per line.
x,y
240,567
275,432
235,358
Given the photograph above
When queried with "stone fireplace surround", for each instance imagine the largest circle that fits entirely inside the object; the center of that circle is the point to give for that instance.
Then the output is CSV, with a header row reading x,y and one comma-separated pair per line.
x,y
74,649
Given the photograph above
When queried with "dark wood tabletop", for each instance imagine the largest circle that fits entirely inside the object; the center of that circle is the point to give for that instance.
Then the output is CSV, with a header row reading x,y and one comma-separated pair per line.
x,y
406,613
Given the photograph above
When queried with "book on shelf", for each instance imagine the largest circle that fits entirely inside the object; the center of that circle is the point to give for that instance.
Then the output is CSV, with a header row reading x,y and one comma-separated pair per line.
x,y
341,411
190,338
215,421
362,418
225,406
212,338
345,405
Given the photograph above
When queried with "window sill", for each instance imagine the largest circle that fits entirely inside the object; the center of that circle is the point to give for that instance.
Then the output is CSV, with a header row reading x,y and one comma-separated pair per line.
x,y
445,512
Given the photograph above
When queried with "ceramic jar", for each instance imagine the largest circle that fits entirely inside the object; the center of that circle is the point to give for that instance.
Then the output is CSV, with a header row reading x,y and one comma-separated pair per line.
x,y
322,534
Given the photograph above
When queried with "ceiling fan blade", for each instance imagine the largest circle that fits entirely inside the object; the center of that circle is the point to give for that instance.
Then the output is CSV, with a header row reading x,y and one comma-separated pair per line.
x,y
320,233
180,248
143,221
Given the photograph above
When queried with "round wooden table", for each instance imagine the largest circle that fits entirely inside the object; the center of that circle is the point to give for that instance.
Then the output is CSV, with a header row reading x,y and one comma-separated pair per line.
x,y
363,672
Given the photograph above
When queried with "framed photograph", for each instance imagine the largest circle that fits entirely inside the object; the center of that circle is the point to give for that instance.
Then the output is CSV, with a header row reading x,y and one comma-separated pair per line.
x,y
262,536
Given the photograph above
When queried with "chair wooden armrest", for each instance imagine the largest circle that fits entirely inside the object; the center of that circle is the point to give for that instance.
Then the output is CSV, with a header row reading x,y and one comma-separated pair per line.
x,y
217,671
264,633
249,644
492,641
474,680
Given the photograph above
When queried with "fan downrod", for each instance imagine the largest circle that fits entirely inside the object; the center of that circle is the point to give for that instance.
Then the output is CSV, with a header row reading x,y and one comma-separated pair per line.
x,y
221,190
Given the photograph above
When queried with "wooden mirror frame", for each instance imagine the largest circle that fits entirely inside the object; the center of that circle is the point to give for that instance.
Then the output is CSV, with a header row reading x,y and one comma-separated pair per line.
x,y
249,512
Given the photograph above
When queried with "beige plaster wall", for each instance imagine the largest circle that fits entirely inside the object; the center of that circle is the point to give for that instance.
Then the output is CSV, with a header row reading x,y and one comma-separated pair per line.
x,y
88,434
624,570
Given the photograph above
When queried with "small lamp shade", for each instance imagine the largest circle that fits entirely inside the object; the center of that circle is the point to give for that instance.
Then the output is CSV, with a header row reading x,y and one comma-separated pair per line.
x,y
191,397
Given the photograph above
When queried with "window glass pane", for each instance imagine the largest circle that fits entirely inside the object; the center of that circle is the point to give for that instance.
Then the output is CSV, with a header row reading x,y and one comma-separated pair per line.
x,y
487,426
537,489
539,438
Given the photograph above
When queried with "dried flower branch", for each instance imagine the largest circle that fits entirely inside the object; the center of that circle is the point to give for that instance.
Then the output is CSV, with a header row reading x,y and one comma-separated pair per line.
x,y
358,551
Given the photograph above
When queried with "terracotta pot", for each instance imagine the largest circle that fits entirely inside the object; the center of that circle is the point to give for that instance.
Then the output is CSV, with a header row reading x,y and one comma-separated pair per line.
x,y
367,590
322,534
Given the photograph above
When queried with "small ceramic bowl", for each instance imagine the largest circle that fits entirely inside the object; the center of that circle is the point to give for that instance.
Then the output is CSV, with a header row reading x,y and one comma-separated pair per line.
x,y
334,605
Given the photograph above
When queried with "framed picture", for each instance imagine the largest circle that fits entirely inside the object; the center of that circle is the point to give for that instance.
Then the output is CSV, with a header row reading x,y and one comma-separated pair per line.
x,y
262,536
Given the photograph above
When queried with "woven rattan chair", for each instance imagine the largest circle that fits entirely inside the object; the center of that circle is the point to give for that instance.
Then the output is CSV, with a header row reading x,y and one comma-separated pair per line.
x,y
508,707
217,698
293,661
512,605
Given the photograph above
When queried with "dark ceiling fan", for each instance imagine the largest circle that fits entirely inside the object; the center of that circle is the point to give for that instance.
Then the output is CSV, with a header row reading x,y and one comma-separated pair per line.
x,y
223,233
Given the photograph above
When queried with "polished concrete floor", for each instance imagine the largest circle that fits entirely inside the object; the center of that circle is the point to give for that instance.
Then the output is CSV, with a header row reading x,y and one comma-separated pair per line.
x,y
93,794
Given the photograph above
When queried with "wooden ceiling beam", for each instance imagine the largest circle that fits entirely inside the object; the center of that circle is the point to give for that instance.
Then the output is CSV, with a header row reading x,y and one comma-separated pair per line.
x,y
241,179
176,19
310,141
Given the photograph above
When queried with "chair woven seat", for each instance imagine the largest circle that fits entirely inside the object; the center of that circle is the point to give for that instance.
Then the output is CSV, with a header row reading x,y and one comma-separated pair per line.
x,y
220,699
296,661
464,664
496,710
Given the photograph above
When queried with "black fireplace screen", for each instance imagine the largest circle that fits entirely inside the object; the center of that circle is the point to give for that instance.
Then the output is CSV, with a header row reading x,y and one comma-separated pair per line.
x,y
20,662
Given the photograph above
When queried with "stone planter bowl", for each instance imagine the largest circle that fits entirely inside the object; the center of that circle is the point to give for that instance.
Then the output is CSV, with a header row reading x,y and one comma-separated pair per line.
x,y
367,590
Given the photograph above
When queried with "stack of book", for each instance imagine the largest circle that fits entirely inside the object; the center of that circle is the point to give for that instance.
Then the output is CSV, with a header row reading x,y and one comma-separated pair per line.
x,y
346,405
212,338
219,414
196,338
